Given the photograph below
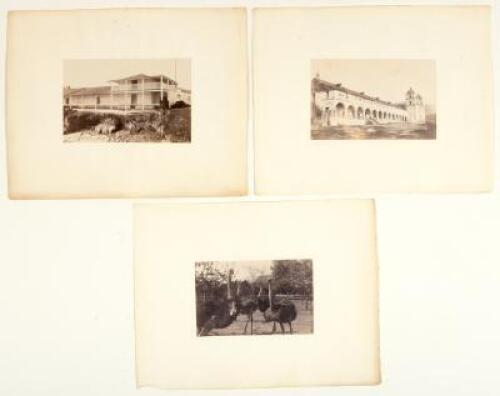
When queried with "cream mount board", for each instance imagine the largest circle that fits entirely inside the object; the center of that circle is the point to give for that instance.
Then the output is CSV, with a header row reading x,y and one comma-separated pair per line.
x,y
121,62
371,99
334,338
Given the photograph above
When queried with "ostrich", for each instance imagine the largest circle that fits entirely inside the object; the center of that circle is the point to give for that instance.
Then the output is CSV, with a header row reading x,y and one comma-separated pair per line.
x,y
262,302
281,312
246,305
216,314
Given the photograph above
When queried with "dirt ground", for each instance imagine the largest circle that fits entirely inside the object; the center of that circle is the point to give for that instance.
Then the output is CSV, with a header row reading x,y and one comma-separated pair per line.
x,y
303,324
388,131
120,136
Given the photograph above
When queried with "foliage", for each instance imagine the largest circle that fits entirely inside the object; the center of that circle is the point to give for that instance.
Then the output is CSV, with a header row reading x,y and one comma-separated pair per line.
x,y
210,280
175,122
77,121
292,276
179,105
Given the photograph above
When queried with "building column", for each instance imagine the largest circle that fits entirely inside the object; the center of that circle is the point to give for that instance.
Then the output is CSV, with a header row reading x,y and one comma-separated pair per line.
x,y
161,88
143,96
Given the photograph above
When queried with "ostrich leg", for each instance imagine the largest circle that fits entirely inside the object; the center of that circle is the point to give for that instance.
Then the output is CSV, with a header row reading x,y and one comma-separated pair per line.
x,y
246,324
274,327
251,323
291,331
282,328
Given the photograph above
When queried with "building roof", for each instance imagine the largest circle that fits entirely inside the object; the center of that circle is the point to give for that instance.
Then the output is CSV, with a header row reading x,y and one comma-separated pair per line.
x,y
141,76
103,90
322,85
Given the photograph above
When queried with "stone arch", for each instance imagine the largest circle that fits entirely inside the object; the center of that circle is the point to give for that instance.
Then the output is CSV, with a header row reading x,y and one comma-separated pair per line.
x,y
368,113
326,116
340,110
360,113
350,112
374,114
380,114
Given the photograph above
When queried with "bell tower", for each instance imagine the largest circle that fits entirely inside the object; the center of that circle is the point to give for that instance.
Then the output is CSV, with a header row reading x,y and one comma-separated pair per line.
x,y
415,107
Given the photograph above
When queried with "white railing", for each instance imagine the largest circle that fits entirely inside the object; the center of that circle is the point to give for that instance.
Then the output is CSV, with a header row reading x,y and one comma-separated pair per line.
x,y
114,107
149,85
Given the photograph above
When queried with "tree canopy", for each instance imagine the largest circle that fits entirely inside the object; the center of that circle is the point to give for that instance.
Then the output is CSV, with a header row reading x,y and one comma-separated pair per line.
x,y
292,276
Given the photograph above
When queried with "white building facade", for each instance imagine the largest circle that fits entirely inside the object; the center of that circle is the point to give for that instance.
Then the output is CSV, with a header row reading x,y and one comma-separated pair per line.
x,y
138,92
334,104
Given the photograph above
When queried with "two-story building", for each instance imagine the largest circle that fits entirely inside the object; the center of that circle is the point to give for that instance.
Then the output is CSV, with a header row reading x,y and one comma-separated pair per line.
x,y
137,92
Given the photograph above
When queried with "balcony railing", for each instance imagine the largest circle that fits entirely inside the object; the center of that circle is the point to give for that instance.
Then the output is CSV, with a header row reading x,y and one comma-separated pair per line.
x,y
148,86
114,107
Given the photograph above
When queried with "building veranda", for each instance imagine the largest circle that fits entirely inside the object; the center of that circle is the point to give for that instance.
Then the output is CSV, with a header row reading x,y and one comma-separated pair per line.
x,y
139,92
333,104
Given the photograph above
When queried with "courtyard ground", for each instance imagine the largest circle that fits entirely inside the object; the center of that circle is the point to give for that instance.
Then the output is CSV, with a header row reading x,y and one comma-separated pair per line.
x,y
303,324
387,131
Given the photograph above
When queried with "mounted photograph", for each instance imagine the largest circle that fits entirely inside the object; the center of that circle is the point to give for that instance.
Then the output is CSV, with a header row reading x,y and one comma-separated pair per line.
x,y
254,297
373,99
129,100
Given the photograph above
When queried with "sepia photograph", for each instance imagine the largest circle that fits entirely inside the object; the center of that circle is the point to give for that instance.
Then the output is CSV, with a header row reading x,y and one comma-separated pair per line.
x,y
144,100
254,297
372,99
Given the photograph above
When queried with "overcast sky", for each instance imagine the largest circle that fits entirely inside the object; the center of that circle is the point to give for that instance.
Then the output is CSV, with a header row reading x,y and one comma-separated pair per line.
x,y
387,79
246,270
95,72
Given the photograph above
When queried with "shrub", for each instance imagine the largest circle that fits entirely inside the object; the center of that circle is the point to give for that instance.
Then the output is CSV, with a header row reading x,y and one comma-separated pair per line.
x,y
177,123
179,105
75,121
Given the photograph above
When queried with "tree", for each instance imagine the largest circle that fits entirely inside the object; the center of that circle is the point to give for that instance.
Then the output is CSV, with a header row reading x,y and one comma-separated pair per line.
x,y
292,276
209,279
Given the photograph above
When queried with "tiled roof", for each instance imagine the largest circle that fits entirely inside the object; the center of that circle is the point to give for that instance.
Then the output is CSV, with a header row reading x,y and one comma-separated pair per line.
x,y
322,85
103,90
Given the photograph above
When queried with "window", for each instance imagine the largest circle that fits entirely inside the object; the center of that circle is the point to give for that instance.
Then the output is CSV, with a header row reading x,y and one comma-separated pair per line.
x,y
155,98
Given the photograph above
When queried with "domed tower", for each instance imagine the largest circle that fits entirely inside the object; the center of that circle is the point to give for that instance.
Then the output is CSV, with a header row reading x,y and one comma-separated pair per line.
x,y
415,107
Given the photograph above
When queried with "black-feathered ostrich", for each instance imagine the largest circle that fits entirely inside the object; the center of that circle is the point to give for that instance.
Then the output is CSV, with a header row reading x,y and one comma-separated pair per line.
x,y
218,313
262,302
246,305
283,311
